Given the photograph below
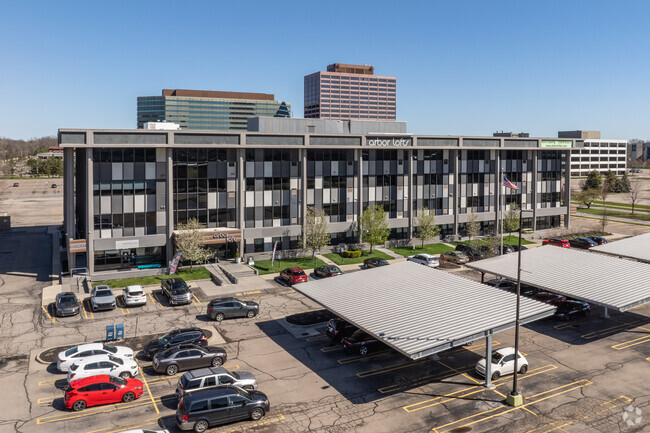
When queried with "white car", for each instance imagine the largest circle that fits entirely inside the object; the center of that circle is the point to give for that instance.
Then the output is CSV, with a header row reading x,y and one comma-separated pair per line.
x,y
102,364
503,362
134,295
425,259
146,431
77,353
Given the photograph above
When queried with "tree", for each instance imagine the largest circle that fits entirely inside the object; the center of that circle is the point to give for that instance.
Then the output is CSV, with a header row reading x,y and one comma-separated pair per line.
x,y
587,197
373,225
493,244
190,242
426,222
315,231
604,192
634,193
612,182
511,218
625,183
473,226
594,181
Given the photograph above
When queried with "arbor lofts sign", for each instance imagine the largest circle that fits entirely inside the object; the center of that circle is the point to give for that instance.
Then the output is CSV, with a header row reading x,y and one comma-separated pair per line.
x,y
389,142
212,236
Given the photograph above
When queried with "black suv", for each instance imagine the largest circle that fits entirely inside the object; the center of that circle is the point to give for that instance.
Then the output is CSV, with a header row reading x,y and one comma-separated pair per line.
x,y
176,290
188,357
175,338
327,271
471,252
201,410
569,309
360,342
223,308
336,329
374,262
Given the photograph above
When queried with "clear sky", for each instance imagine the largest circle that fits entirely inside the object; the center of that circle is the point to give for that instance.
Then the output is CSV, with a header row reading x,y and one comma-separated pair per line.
x,y
462,67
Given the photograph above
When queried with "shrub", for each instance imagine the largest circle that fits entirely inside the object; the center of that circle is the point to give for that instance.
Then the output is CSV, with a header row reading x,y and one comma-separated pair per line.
x,y
351,254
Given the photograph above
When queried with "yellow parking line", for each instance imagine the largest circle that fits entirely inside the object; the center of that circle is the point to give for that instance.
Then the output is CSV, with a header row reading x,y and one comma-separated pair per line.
x,y
87,310
125,311
154,302
318,337
280,417
252,292
47,382
630,343
196,299
330,348
144,380
612,329
119,406
472,348
420,381
48,314
563,325
157,299
47,399
567,388
458,372
375,371
129,426
360,358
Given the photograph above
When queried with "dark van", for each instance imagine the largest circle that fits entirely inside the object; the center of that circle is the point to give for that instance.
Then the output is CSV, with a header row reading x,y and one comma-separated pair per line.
x,y
201,410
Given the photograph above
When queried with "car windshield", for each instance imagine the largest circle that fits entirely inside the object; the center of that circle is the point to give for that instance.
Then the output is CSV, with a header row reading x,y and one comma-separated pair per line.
x,y
496,357
382,262
179,290
298,273
66,299
117,380
104,292
116,360
334,269
233,374
179,286
72,351
244,393
109,348
136,293
73,367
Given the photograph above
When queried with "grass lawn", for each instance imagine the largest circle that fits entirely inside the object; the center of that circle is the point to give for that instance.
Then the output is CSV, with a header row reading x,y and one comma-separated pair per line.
x,y
614,213
428,249
336,258
509,240
264,266
616,205
196,274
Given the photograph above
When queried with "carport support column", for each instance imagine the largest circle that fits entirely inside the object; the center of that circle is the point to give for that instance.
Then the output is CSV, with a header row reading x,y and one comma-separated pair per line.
x,y
606,315
488,360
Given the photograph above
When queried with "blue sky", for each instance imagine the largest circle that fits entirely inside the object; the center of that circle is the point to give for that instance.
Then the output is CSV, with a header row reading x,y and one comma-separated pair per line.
x,y
462,67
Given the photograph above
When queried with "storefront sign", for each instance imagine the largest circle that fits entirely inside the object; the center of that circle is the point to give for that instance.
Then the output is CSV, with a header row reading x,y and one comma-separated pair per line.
x,y
77,246
125,245
389,142
221,237
557,144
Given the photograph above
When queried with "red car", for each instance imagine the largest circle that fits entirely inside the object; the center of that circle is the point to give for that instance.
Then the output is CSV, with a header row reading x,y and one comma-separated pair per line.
x,y
100,389
564,243
549,298
293,275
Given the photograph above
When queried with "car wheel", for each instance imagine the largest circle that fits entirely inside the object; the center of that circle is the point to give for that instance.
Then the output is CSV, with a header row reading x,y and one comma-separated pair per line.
x,y
125,375
78,405
129,396
94,308
257,413
200,426
250,314
172,370
363,350
219,317
217,361
523,369
496,375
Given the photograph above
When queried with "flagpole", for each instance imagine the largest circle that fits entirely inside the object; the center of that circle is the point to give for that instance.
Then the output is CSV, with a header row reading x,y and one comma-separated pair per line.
x,y
501,206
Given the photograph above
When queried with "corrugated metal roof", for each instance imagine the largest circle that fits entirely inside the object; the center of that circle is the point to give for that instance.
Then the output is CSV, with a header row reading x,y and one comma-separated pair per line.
x,y
607,281
636,247
419,310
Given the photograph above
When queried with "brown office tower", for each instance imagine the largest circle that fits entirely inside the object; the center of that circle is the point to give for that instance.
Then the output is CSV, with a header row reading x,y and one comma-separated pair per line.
x,y
350,92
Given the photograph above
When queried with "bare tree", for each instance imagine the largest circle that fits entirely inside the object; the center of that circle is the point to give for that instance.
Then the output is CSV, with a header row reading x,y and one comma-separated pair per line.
x,y
315,231
190,242
604,192
511,219
426,223
473,226
634,194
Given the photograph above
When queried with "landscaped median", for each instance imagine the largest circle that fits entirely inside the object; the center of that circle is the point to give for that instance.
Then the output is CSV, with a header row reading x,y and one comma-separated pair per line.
x,y
339,260
264,266
426,249
198,273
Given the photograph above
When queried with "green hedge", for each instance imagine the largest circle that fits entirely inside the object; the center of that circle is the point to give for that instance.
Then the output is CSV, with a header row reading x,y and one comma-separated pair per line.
x,y
354,254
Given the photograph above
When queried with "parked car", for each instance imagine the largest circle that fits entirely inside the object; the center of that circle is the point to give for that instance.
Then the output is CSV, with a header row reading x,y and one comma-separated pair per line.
x,y
16,184
471,252
293,275
102,364
507,249
584,243
598,239
360,342
558,242
516,247
457,257
134,295
511,286
337,328
175,338
225,308
77,353
102,298
549,298
176,290
570,309
503,362
139,430
66,304
53,186
205,378
425,259
374,262
327,271
176,359
101,389
199,411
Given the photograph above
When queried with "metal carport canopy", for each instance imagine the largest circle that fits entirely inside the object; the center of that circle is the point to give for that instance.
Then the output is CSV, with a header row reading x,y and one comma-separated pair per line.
x,y
417,310
635,247
596,278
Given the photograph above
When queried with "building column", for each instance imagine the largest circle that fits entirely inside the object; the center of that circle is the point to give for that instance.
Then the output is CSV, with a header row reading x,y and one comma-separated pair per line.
x,y
410,195
567,187
499,198
359,158
241,190
169,205
302,154
90,217
534,192
454,157
69,222
488,359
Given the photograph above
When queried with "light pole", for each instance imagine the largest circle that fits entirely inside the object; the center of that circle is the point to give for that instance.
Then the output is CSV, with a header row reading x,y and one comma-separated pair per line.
x,y
514,398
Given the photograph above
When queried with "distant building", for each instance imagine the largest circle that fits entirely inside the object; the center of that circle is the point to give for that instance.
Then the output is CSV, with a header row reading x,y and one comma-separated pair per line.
x,y
590,153
203,109
165,126
350,92
511,134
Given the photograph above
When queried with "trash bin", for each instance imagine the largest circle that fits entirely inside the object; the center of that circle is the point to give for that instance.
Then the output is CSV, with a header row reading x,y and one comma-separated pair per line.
x,y
110,333
119,331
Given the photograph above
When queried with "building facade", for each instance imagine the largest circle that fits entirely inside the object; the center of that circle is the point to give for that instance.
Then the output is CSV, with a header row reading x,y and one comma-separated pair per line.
x,y
126,191
350,92
590,152
199,109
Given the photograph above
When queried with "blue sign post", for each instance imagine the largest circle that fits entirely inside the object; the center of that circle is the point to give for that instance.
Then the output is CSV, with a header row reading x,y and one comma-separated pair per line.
x,y
110,333
119,331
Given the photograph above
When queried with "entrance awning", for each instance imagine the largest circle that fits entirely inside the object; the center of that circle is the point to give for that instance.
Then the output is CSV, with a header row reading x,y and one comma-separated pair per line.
x,y
596,278
419,311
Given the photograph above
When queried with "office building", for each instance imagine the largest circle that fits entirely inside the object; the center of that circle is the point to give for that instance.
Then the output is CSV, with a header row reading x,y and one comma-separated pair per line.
x,y
201,109
350,92
590,153
251,189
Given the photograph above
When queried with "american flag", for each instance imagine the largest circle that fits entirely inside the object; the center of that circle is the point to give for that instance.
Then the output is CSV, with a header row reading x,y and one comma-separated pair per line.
x,y
509,184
